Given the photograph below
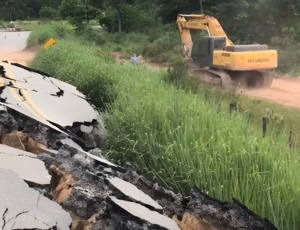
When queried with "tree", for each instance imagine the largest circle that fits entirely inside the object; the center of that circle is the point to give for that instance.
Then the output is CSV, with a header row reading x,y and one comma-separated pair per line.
x,y
11,9
118,5
69,8
53,3
134,17
74,11
47,12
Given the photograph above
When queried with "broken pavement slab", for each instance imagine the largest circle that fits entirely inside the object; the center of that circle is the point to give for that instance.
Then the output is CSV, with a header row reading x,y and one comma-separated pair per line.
x,y
133,192
25,164
24,208
43,98
70,142
146,214
101,160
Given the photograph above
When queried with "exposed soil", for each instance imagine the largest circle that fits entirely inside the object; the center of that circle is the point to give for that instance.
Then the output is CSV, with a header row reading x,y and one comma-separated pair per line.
x,y
284,90
20,56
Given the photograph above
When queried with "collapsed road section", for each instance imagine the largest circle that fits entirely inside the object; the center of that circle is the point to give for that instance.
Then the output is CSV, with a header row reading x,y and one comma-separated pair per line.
x,y
49,101
53,174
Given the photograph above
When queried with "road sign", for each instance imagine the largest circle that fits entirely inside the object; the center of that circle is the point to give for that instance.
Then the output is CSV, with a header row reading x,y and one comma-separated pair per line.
x,y
49,42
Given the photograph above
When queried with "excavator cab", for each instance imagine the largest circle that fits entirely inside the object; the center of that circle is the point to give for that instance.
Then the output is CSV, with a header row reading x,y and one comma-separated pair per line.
x,y
203,49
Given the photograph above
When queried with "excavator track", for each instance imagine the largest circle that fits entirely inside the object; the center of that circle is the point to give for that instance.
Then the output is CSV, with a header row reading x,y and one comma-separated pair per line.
x,y
234,79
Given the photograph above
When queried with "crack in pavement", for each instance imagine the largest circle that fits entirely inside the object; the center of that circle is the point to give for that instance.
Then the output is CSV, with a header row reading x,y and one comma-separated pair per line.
x,y
42,222
3,218
38,200
21,213
18,155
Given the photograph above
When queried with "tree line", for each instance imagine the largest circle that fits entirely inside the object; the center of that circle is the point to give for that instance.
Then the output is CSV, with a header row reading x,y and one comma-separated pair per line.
x,y
244,20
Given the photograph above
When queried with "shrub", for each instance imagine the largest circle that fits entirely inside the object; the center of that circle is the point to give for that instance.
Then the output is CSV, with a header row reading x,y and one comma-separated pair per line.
x,y
119,37
99,36
162,49
118,48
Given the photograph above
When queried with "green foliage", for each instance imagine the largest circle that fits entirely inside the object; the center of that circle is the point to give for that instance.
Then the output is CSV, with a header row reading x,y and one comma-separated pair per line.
x,y
288,45
74,11
47,12
99,36
42,33
119,38
163,48
69,8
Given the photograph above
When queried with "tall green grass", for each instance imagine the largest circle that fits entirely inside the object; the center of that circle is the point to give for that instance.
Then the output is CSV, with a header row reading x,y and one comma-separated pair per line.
x,y
184,140
180,139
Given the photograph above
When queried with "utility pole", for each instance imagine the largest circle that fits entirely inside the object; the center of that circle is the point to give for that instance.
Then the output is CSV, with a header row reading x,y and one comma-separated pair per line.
x,y
201,9
85,18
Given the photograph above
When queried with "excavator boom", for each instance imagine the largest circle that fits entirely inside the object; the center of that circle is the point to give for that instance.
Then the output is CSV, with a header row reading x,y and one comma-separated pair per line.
x,y
199,22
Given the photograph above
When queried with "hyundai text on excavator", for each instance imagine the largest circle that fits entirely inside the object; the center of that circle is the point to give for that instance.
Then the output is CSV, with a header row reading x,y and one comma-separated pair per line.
x,y
219,61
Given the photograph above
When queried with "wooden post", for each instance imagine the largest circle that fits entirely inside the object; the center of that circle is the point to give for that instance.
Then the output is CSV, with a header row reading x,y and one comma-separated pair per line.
x,y
264,126
232,108
290,140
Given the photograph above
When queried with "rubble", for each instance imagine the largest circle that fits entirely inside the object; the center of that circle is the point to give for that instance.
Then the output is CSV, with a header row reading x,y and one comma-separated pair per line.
x,y
225,215
108,193
24,208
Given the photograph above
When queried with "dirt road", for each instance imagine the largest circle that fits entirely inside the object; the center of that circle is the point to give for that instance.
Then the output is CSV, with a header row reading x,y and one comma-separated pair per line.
x,y
284,90
12,45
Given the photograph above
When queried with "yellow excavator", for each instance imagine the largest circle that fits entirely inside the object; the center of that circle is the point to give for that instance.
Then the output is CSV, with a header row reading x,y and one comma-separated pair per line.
x,y
218,61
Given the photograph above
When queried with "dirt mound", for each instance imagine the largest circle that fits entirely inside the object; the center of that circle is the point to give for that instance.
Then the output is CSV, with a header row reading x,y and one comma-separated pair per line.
x,y
118,56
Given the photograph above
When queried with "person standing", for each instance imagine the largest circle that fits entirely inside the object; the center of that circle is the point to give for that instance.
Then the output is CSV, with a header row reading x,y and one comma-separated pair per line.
x,y
134,59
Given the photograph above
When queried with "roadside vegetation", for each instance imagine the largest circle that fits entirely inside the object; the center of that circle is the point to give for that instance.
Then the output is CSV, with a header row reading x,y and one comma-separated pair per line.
x,y
180,132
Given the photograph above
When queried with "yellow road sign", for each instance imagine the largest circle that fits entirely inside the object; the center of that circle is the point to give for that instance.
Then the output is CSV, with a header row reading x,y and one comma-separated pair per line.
x,y
49,42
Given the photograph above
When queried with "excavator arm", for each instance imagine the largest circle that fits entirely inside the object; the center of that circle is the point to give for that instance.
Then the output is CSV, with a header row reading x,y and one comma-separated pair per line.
x,y
199,22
